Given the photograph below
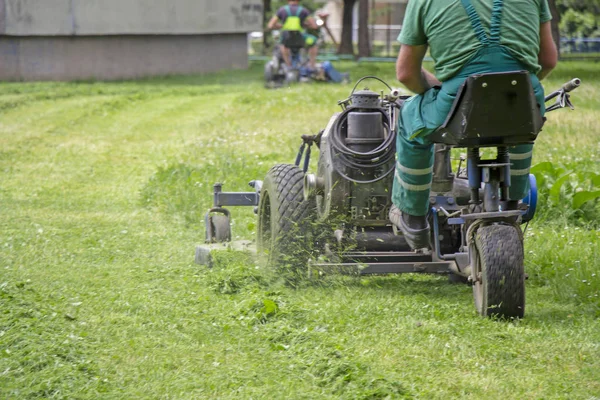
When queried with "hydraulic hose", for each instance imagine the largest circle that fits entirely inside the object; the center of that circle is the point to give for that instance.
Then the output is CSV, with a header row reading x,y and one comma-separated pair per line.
x,y
362,161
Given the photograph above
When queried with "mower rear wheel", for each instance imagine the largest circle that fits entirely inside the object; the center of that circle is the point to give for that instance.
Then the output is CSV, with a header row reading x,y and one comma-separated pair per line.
x,y
499,289
284,232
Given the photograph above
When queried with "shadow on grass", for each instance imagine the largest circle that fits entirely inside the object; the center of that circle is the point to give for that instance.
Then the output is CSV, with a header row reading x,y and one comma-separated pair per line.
x,y
426,285
50,89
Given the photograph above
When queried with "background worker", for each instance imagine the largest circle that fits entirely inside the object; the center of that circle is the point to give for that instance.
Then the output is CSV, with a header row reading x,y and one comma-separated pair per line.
x,y
464,37
292,20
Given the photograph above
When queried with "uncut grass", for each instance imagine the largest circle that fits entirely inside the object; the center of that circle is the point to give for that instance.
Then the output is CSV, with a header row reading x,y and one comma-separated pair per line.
x,y
104,190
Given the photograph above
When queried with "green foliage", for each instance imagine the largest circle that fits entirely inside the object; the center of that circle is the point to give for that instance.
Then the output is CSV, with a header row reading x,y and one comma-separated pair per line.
x,y
591,6
579,18
568,190
582,24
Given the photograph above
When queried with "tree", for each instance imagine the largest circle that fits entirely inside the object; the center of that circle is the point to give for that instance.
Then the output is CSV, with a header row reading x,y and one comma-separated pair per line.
x,y
592,6
364,45
574,18
575,24
346,46
266,16
579,18
555,23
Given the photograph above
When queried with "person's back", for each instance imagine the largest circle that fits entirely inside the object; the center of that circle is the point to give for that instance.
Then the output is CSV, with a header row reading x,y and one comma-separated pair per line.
x,y
464,37
292,19
446,28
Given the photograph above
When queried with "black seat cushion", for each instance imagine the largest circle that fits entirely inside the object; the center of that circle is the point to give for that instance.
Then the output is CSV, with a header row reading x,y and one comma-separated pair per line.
x,y
292,39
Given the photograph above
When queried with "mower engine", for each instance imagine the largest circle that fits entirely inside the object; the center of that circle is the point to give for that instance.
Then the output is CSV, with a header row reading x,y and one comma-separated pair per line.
x,y
352,186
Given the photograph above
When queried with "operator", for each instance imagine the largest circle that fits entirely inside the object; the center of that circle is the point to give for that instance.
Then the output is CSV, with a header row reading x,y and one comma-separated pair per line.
x,y
292,19
464,37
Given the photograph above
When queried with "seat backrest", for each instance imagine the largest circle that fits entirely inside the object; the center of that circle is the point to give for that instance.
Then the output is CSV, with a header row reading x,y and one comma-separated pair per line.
x,y
293,40
493,109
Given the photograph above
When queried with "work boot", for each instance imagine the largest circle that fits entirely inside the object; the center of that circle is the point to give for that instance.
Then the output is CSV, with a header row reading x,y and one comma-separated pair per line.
x,y
414,228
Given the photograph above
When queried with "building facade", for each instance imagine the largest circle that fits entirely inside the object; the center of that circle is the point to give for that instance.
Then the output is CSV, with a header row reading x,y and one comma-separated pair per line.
x,y
385,19
123,39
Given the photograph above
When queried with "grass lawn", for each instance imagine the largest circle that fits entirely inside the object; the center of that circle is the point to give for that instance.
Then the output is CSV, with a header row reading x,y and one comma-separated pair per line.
x,y
103,192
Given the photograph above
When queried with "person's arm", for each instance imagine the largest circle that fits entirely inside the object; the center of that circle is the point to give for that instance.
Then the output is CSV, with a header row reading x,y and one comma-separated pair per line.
x,y
410,71
274,23
310,23
548,55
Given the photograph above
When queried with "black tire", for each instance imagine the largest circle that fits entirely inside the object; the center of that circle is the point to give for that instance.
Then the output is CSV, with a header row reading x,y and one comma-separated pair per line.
x,y
499,290
221,228
292,76
284,232
270,71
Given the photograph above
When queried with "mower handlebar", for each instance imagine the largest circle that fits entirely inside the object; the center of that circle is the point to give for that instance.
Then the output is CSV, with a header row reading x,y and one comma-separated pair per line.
x,y
567,87
572,84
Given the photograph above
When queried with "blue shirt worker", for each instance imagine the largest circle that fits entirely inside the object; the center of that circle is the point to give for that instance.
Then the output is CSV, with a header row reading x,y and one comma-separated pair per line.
x,y
292,20
464,37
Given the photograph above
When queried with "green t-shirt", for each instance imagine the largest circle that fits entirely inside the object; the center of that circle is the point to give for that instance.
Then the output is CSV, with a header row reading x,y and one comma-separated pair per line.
x,y
444,26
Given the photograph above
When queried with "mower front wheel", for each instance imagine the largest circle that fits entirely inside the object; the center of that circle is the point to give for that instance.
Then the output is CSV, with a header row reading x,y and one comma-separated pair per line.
x,y
284,232
271,68
222,228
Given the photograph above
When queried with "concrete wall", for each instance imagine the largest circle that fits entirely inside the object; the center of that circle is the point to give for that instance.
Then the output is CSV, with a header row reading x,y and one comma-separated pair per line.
x,y
118,57
128,17
118,39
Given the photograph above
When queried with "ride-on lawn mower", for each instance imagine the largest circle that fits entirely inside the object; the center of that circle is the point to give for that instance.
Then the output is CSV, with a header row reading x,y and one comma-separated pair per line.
x,y
276,74
336,219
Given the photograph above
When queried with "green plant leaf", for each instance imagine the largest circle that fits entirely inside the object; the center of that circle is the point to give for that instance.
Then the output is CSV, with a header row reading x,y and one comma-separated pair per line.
x,y
540,170
555,189
540,180
582,197
270,307
545,166
587,178
595,179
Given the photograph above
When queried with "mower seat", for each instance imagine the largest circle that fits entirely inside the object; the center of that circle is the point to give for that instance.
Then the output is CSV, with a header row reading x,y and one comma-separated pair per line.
x,y
492,109
293,40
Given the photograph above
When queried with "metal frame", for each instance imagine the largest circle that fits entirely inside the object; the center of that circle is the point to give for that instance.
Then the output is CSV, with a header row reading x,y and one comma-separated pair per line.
x,y
376,263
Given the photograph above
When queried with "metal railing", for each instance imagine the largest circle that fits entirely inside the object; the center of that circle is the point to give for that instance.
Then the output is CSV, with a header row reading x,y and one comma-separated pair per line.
x,y
580,45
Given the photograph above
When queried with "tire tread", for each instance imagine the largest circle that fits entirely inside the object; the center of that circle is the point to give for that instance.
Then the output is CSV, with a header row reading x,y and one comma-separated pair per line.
x,y
501,253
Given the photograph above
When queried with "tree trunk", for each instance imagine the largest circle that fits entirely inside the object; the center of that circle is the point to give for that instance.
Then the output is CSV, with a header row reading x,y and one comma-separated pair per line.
x,y
346,42
554,23
364,46
266,17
